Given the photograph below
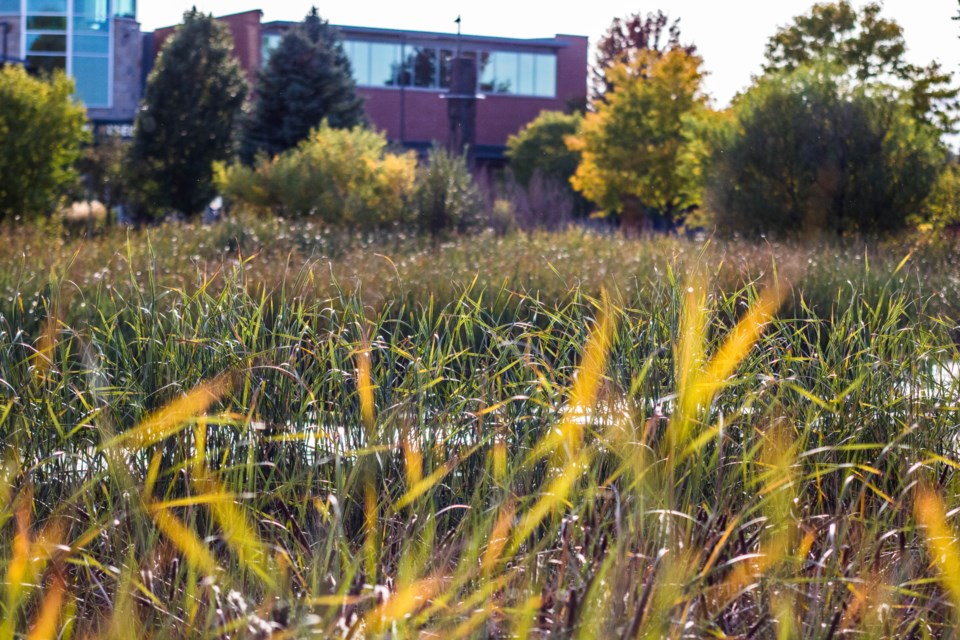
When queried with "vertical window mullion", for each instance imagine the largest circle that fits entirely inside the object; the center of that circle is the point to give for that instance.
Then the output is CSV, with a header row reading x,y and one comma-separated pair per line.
x,y
110,53
69,51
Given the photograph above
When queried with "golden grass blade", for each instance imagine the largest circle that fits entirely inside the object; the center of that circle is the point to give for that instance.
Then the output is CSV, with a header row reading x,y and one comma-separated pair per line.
x,y
365,386
567,436
45,625
422,486
404,602
702,384
941,540
498,539
46,343
172,418
193,549
238,533
553,497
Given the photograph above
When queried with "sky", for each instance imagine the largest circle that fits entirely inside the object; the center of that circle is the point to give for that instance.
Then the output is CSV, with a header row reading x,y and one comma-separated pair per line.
x,y
730,35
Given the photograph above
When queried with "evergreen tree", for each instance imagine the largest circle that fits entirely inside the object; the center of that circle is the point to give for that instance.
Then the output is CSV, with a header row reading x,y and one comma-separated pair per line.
x,y
306,80
193,98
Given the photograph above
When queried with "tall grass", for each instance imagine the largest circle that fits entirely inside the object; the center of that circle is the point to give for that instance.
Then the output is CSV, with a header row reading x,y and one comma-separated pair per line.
x,y
680,456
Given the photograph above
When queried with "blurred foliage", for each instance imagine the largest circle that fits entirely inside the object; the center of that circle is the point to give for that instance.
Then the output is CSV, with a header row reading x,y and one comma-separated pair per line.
x,y
42,130
942,207
447,198
187,119
633,37
641,157
103,167
306,80
865,47
807,151
540,146
341,176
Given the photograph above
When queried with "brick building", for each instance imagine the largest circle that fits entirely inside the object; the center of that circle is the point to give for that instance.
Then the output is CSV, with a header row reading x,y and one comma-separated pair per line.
x,y
404,76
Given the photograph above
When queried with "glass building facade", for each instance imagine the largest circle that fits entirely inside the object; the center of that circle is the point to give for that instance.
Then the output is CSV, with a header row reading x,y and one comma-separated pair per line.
x,y
75,36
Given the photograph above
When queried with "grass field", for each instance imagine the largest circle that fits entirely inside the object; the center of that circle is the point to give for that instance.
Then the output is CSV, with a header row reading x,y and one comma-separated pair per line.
x,y
261,428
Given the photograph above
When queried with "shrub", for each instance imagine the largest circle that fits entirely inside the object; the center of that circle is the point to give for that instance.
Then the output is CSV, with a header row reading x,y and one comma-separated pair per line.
x,y
342,176
540,147
41,132
808,151
447,197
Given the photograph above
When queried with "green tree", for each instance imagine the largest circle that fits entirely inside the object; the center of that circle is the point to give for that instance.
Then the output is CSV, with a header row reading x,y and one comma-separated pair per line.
x,y
541,161
540,147
187,120
865,47
306,80
641,149
41,133
809,150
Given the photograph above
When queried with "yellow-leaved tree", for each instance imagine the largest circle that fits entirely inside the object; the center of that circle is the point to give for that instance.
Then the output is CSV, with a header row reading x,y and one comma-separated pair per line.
x,y
643,145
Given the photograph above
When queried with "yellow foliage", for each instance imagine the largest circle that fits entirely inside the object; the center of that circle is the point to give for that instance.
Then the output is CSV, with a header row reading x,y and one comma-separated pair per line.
x,y
641,141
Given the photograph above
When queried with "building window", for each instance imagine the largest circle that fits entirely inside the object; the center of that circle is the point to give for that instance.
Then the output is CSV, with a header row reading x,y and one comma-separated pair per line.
x,y
524,74
9,6
380,64
268,44
126,9
381,61
74,37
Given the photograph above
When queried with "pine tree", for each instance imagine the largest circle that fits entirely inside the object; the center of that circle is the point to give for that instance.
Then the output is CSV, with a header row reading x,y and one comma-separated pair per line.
x,y
306,80
187,120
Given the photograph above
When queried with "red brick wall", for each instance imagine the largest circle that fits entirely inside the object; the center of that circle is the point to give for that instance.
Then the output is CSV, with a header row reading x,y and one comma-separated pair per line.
x,y
245,29
498,116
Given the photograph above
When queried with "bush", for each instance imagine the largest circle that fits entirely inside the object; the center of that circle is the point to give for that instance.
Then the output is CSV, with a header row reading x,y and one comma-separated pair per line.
x,y
541,147
41,132
806,151
447,197
342,176
942,208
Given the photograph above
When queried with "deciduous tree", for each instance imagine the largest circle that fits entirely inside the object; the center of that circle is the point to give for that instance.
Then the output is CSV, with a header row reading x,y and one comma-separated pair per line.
x,y
809,150
192,100
641,150
628,38
540,147
866,47
41,133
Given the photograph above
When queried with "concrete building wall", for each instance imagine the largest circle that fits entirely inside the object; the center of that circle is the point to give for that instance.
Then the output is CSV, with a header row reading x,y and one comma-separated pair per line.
x,y
13,36
127,70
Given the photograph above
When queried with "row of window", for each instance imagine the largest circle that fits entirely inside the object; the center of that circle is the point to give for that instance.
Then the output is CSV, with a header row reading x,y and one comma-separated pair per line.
x,y
92,8
384,64
73,36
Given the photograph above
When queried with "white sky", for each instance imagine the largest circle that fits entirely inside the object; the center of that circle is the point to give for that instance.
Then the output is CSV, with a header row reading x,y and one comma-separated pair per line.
x,y
730,35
